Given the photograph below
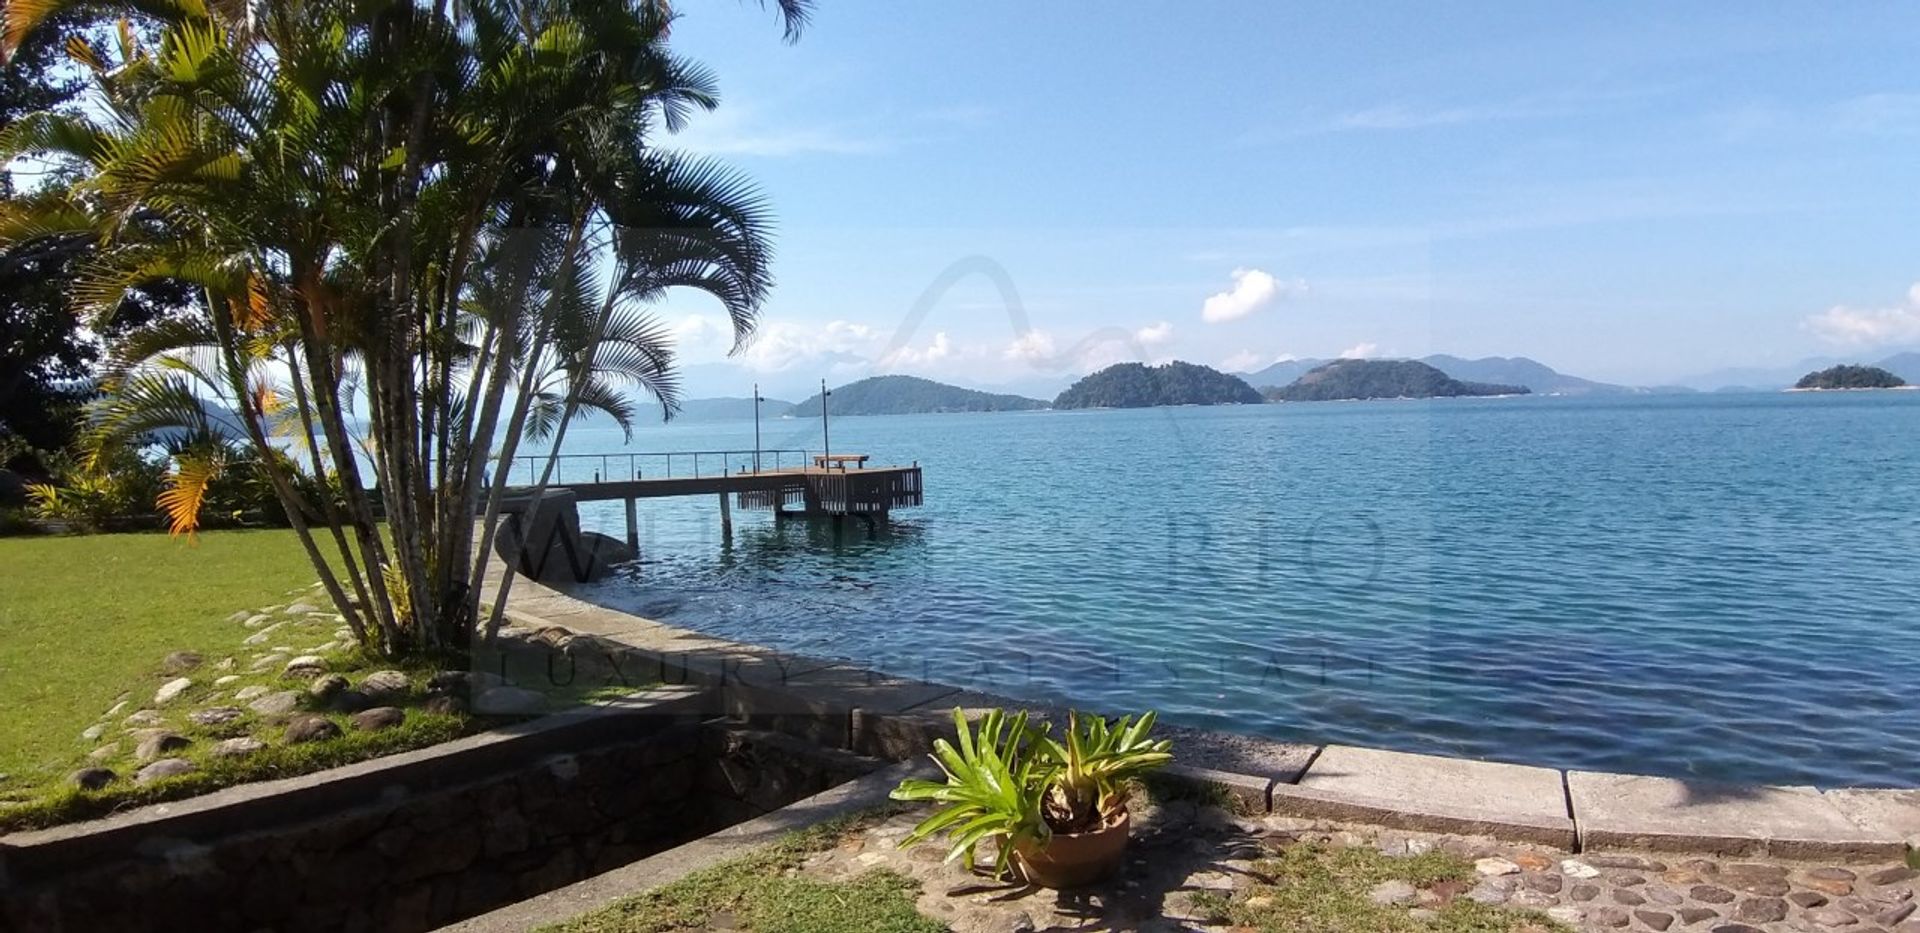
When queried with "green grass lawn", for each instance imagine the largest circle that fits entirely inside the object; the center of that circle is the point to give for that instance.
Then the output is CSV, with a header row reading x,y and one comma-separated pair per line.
x,y
88,622
758,892
85,619
1325,888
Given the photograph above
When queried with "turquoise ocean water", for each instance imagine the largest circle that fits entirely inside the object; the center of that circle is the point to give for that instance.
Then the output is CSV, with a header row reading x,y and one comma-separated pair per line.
x,y
1721,586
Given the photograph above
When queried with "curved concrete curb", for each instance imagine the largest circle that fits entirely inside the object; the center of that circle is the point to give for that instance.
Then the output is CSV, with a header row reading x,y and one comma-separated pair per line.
x,y
1518,803
1664,815
895,718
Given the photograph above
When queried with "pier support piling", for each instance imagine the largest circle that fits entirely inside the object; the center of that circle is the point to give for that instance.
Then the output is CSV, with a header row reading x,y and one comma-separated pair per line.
x,y
633,526
726,517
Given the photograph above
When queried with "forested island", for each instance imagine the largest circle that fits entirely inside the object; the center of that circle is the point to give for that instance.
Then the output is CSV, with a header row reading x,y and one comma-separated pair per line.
x,y
1135,385
910,395
1850,377
1364,379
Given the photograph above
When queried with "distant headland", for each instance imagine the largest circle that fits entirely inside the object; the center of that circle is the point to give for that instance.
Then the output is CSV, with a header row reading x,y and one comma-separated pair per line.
x,y
909,395
1366,379
1135,385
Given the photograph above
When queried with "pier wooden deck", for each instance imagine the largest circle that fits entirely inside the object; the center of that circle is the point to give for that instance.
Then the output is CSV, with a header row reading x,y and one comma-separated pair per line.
x,y
867,493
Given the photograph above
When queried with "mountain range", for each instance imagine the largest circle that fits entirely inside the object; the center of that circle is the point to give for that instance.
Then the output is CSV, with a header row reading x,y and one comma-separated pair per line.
x,y
1770,378
904,395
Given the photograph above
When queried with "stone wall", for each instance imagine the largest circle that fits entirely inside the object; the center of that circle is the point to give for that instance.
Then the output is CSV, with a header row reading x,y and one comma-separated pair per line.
x,y
419,840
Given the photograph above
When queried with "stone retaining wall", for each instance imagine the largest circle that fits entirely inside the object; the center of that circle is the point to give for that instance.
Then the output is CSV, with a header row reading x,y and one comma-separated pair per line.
x,y
419,840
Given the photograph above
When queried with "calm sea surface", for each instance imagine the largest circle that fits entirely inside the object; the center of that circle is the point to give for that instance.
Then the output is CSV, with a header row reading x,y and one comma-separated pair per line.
x,y
1717,586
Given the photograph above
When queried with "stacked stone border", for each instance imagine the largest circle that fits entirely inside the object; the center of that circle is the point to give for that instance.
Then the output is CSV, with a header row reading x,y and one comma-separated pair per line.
x,y
872,714
416,840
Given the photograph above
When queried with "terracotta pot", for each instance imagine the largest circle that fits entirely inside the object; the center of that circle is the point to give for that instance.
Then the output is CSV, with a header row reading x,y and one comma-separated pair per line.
x,y
1071,860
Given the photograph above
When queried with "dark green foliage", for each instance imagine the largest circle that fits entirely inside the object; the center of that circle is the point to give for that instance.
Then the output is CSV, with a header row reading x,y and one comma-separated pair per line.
x,y
116,494
1850,377
908,395
1361,379
45,358
1135,385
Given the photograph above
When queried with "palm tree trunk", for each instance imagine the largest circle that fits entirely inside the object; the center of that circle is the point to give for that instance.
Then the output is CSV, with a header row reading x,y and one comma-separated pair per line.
x,y
276,477
572,407
332,511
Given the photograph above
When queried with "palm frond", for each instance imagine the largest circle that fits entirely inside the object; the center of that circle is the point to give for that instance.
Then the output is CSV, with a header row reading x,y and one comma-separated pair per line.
x,y
186,489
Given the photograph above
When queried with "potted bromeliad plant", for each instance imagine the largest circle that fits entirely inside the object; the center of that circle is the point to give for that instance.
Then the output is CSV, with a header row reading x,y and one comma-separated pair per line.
x,y
1056,808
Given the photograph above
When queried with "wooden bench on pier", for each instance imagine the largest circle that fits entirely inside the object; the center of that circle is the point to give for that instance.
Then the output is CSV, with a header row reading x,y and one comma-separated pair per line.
x,y
827,461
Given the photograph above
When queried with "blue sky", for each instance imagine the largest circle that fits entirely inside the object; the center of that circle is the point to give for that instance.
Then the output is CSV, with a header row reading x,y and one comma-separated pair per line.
x,y
1626,192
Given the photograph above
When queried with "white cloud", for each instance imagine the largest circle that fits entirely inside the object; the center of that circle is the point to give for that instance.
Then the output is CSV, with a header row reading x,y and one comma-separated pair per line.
x,y
782,345
1403,117
700,331
938,350
1154,335
1252,290
1360,351
1034,346
1866,326
1242,362
742,130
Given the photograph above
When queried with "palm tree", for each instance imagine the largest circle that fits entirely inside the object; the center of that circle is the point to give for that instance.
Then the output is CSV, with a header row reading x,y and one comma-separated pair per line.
x,y
423,231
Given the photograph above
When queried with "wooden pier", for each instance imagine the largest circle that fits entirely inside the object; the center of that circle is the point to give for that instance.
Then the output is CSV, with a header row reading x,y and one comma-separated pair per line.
x,y
783,481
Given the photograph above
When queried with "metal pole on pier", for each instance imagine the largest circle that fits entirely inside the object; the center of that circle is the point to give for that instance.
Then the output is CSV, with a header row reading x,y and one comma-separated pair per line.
x,y
826,441
756,426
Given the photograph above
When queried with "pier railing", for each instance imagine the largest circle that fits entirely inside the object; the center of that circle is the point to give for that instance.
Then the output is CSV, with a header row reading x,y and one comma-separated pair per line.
x,y
678,464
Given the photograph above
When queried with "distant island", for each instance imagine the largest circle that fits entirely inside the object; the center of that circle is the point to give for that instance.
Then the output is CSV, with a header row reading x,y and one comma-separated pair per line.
x,y
909,395
1534,376
1135,385
1364,379
1850,377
